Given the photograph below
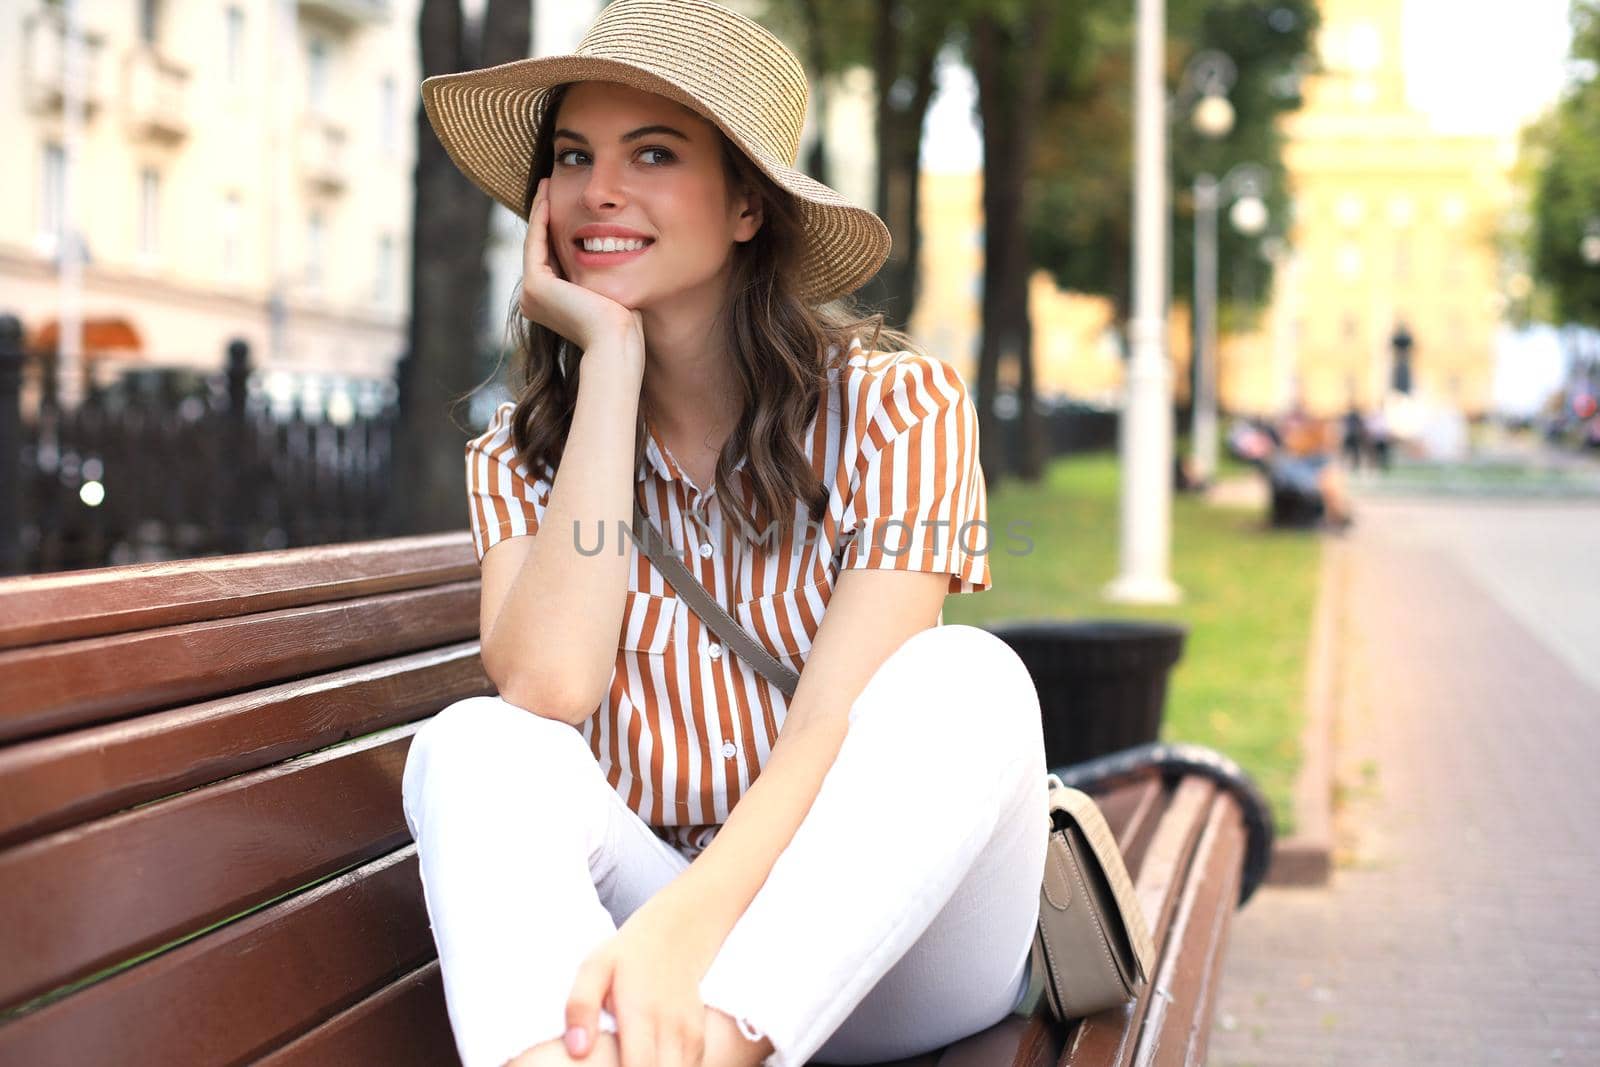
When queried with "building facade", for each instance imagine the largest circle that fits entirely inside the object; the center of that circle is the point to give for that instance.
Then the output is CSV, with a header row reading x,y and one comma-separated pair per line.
x,y
240,169
1393,226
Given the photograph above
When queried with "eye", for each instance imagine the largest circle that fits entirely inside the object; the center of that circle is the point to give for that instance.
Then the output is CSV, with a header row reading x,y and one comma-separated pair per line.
x,y
665,154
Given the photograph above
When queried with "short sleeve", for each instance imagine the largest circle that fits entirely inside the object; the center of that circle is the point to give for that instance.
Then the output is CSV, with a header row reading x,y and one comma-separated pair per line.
x,y
501,498
918,501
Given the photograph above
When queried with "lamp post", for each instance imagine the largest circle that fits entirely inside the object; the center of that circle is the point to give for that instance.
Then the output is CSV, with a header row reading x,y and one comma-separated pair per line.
x,y
1243,185
1146,424
1589,247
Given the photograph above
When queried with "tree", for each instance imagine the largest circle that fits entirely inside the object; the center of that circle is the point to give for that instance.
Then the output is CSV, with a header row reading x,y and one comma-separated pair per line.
x,y
900,42
1565,149
1080,228
449,279
1055,90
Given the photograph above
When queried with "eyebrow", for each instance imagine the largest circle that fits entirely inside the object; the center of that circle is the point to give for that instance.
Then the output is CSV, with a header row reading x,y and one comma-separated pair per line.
x,y
632,135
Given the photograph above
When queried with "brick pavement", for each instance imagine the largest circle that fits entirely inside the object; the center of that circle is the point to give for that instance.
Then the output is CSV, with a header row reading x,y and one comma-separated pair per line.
x,y
1460,925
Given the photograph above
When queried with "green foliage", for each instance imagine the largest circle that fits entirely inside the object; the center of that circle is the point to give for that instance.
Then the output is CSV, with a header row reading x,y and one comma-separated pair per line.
x,y
1563,150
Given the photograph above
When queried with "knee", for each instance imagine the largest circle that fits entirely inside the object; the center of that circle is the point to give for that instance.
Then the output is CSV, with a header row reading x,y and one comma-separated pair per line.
x,y
968,683
477,742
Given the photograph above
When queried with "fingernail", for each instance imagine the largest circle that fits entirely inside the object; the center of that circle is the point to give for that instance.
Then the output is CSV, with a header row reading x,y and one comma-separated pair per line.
x,y
577,1040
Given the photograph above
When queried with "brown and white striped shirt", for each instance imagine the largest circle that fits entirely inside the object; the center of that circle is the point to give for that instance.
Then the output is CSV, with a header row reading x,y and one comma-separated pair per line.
x,y
686,726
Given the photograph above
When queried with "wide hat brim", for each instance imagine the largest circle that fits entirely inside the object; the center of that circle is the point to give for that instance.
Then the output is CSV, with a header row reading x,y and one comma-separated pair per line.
x,y
486,120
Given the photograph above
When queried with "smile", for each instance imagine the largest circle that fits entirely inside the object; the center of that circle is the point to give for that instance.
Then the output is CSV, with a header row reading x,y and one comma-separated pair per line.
x,y
608,251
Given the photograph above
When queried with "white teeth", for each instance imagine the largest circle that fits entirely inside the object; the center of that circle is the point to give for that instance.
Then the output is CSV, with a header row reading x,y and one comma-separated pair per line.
x,y
611,244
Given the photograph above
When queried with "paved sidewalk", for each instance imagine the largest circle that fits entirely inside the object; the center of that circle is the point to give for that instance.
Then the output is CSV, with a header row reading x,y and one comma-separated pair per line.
x,y
1460,926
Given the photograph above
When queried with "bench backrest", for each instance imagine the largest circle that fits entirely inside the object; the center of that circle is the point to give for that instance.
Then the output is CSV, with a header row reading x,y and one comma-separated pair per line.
x,y
203,855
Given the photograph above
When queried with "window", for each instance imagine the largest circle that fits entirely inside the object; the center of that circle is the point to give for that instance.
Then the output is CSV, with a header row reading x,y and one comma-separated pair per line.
x,y
233,46
383,279
149,16
232,236
52,194
1348,263
316,73
314,234
149,213
386,115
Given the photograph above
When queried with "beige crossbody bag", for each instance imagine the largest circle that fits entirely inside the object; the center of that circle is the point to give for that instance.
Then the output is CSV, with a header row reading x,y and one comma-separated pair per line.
x,y
1092,947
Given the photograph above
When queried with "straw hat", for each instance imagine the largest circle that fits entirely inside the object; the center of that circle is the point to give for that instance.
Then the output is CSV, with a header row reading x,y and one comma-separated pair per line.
x,y
711,60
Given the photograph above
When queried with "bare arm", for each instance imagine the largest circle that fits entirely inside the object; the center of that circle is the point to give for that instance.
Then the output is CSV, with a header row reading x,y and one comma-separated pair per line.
x,y
550,613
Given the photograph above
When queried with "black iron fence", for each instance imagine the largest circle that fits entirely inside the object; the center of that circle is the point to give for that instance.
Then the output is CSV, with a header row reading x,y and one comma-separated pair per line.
x,y
174,463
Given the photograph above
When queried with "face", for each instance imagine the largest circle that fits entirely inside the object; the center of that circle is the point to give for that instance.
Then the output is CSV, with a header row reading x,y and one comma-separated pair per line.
x,y
638,166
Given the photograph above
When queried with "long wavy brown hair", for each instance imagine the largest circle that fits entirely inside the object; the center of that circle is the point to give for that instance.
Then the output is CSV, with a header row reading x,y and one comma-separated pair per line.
x,y
778,341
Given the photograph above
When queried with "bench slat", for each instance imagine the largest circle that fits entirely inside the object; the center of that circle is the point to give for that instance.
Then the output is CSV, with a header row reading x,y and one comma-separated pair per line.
x,y
403,1025
54,782
84,899
142,596
78,683
1106,1039
246,988
1174,1032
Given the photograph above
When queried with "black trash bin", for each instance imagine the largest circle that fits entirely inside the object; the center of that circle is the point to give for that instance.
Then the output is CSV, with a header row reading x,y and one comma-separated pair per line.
x,y
1102,682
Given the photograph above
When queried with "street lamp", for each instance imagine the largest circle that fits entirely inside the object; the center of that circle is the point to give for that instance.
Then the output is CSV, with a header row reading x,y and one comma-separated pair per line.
x,y
1589,247
1245,185
1146,423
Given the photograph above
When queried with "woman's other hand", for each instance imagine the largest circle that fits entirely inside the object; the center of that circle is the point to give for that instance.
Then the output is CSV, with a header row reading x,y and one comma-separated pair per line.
x,y
581,315
648,977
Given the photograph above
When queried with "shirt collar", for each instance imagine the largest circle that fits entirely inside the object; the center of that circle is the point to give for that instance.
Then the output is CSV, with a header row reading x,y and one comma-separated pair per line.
x,y
657,457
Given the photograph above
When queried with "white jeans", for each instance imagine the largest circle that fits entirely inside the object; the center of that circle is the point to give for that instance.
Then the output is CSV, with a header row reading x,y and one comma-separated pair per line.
x,y
897,920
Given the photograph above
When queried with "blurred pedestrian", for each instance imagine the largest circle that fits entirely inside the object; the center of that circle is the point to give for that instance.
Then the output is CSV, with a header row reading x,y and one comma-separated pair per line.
x,y
1355,437
1378,437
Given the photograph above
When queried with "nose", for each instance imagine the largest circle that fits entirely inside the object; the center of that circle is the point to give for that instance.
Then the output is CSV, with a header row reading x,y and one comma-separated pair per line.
x,y
604,187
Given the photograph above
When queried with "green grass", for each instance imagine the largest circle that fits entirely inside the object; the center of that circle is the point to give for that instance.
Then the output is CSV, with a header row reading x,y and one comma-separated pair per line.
x,y
1248,599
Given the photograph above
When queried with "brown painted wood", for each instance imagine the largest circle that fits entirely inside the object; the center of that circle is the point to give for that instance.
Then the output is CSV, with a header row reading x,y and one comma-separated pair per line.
x,y
1133,809
142,596
97,679
87,898
59,781
1106,1039
247,988
402,1025
1175,1029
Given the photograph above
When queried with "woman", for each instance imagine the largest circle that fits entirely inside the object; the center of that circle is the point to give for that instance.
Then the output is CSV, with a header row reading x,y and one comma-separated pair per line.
x,y
640,852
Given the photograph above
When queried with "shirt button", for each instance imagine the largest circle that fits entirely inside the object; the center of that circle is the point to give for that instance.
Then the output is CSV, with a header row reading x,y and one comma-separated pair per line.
x,y
705,551
728,750
715,650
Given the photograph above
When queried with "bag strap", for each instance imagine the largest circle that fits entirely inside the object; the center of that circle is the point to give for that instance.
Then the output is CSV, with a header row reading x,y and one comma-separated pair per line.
x,y
653,543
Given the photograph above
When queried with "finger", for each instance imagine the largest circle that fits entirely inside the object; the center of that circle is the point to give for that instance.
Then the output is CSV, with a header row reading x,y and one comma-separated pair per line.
x,y
583,1003
551,259
637,1040
693,1042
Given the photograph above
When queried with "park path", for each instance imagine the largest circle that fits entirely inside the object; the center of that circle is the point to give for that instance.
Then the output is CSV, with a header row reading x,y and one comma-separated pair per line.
x,y
1461,923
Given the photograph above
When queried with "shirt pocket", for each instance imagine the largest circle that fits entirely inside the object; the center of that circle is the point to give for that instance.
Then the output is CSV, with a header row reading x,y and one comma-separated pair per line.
x,y
648,623
783,622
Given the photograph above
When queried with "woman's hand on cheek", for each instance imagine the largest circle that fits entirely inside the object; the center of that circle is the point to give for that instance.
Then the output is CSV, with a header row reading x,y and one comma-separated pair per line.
x,y
648,977
581,315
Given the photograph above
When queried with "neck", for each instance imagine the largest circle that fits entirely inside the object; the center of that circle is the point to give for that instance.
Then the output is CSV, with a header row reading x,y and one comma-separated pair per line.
x,y
690,391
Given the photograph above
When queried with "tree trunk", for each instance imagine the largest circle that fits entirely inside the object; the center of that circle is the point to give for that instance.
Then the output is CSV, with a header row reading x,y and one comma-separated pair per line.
x,y
449,279
906,45
817,56
1010,67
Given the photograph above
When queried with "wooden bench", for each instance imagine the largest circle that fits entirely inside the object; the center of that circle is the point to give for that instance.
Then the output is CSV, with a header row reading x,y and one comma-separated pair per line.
x,y
203,856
